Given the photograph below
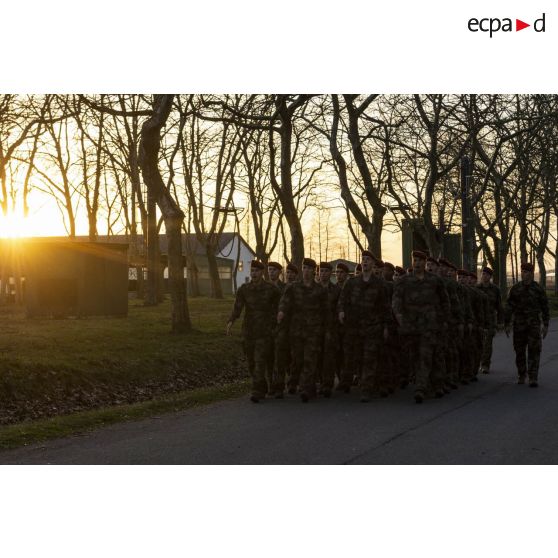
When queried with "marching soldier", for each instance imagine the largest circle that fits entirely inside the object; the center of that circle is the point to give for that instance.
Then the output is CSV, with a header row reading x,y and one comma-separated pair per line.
x,y
421,307
466,347
259,300
305,302
341,274
283,348
274,272
479,305
328,362
399,272
525,306
391,361
364,309
495,315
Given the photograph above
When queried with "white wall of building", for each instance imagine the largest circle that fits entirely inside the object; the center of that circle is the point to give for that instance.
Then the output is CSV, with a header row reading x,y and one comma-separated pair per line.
x,y
246,256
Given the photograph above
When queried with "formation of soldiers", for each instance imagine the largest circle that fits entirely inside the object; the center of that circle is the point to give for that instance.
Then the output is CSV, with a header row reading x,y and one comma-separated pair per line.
x,y
383,328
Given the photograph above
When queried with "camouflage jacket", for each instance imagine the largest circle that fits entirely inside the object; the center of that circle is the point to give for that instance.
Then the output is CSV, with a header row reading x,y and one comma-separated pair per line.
x,y
526,304
495,309
457,312
479,305
306,307
259,300
280,286
423,303
465,301
365,304
333,293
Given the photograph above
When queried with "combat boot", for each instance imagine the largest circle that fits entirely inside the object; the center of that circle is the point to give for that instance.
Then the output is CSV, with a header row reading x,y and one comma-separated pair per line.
x,y
419,397
521,379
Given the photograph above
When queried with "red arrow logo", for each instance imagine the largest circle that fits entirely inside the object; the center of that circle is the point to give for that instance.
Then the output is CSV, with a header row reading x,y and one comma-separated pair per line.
x,y
519,25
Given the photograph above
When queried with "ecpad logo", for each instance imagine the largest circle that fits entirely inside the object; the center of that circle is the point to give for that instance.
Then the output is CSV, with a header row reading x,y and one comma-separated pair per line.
x,y
492,25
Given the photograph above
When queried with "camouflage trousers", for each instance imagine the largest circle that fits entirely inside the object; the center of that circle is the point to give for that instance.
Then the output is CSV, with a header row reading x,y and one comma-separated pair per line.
x,y
306,347
478,344
421,348
282,354
465,355
527,344
440,356
452,356
257,352
352,350
390,376
329,359
487,348
371,378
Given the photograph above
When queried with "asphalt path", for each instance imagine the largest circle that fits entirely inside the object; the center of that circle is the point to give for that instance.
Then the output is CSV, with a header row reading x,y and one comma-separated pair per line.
x,y
493,421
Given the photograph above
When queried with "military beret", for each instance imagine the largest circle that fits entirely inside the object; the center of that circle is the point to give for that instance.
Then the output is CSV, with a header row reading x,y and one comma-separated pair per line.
x,y
389,266
431,259
342,267
418,254
276,265
309,262
367,253
325,265
292,267
487,270
257,265
358,267
527,267
400,270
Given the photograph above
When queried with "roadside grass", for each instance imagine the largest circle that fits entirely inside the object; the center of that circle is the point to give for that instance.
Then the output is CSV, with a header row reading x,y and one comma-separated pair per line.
x,y
22,434
50,367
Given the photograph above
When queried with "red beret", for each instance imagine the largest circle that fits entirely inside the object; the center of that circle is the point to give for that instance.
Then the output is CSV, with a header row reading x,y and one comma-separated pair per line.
x,y
367,253
342,267
389,266
257,265
276,265
527,267
325,265
487,270
418,254
292,267
309,262
400,270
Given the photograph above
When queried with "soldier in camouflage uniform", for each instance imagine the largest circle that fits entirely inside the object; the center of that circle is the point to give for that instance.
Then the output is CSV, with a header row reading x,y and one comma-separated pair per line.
x,y
479,305
466,347
392,361
341,274
495,316
446,349
399,272
421,307
456,324
283,348
328,361
259,300
274,270
364,309
526,305
305,302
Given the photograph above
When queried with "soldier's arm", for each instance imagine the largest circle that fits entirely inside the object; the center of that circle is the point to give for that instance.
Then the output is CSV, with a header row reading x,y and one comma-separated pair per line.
x,y
344,298
499,308
239,303
544,307
444,300
397,301
510,307
285,302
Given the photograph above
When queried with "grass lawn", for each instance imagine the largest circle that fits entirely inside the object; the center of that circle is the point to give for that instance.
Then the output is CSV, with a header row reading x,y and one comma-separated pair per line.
x,y
53,367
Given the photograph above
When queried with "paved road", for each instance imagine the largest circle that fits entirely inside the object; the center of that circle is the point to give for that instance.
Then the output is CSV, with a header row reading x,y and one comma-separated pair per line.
x,y
494,421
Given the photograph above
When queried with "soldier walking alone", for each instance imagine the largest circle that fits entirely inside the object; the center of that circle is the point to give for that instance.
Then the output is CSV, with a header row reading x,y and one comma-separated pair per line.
x,y
525,306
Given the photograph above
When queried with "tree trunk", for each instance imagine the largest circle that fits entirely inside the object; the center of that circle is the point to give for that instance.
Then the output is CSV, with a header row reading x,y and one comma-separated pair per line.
x,y
153,264
215,281
173,216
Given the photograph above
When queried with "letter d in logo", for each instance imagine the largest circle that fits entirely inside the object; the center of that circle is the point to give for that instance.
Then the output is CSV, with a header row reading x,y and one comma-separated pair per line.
x,y
539,25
